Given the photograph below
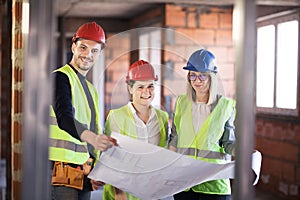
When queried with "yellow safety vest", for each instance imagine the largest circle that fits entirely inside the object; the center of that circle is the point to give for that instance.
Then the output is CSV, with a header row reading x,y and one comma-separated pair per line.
x,y
63,147
125,121
204,145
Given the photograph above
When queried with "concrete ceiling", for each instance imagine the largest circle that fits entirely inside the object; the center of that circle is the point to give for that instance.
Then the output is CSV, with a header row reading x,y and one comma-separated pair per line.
x,y
126,9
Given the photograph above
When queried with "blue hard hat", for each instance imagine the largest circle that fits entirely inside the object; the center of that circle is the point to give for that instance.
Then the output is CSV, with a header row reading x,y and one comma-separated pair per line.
x,y
202,61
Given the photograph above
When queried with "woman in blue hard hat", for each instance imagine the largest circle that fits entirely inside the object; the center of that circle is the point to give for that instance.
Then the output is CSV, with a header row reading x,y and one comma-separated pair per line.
x,y
137,119
203,125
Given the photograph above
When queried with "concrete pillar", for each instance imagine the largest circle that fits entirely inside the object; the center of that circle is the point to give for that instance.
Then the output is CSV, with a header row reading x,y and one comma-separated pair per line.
x,y
244,33
39,58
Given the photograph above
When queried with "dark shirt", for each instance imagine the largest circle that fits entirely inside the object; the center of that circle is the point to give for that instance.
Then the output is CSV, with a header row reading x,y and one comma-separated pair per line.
x,y
63,105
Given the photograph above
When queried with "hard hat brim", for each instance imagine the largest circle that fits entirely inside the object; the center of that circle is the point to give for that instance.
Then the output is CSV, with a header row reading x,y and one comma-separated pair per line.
x,y
192,68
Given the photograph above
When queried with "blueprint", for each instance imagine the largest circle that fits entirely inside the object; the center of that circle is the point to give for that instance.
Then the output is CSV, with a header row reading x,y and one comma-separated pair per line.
x,y
151,172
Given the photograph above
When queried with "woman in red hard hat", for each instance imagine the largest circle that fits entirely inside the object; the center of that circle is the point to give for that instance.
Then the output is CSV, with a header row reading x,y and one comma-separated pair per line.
x,y
76,137
137,119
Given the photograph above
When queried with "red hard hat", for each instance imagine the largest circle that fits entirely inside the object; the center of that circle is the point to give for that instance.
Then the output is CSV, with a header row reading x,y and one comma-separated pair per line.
x,y
141,71
90,31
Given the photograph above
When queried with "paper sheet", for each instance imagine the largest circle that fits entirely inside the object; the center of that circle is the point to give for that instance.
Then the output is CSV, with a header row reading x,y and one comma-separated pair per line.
x,y
256,165
151,172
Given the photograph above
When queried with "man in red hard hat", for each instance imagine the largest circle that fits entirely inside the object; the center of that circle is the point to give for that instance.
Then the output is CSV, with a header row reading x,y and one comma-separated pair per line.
x,y
76,137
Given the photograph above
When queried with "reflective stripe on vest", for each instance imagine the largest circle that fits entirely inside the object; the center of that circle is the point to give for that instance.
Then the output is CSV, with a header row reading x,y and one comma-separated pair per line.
x,y
67,145
63,147
205,144
125,120
202,153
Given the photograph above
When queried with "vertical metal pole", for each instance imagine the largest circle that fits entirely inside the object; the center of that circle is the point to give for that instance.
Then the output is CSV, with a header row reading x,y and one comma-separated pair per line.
x,y
98,81
244,33
39,57
63,43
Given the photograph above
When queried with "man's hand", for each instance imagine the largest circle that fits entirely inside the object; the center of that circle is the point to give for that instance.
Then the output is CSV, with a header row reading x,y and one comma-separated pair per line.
x,y
99,141
96,184
103,142
172,148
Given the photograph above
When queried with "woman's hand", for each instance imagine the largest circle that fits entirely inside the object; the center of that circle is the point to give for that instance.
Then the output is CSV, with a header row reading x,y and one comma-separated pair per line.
x,y
119,194
172,148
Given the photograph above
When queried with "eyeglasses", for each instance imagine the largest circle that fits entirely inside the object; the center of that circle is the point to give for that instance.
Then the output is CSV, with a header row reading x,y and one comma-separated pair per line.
x,y
201,77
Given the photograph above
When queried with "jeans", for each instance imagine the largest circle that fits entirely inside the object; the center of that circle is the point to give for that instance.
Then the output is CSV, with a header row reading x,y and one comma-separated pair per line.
x,y
191,195
67,193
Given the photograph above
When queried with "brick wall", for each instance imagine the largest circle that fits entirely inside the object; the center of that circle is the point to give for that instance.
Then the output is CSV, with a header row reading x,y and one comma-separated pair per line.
x,y
278,140
191,29
17,94
195,28
117,63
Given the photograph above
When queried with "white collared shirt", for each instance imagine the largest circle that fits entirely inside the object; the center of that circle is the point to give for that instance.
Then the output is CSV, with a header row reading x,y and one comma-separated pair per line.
x,y
149,132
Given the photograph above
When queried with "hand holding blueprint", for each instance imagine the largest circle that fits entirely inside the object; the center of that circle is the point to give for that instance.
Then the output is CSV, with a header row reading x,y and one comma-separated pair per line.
x,y
151,172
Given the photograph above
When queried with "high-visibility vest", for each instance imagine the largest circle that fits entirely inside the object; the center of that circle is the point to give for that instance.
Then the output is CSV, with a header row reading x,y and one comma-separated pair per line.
x,y
204,145
126,123
63,147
